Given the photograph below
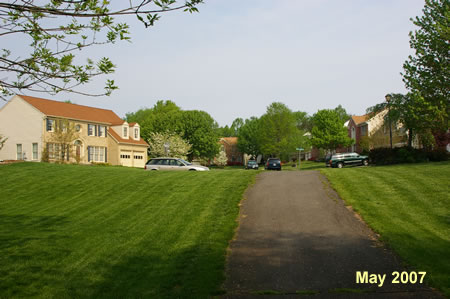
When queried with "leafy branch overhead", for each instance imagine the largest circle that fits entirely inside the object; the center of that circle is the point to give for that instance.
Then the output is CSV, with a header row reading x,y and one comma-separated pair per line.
x,y
53,31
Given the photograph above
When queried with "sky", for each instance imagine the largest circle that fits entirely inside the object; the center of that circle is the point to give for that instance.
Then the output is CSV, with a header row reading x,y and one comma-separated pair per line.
x,y
234,57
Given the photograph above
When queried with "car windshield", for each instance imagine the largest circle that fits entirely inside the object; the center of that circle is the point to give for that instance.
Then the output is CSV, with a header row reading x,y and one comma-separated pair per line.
x,y
252,162
184,162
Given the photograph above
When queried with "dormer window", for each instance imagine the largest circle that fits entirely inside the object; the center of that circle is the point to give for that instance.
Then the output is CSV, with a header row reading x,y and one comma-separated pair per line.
x,y
125,132
136,133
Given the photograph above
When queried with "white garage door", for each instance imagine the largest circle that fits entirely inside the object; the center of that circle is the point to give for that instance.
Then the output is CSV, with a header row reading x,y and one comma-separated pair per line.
x,y
126,158
139,159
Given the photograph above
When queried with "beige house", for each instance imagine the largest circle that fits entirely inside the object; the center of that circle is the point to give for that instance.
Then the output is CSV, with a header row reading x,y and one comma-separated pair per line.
x,y
100,136
372,132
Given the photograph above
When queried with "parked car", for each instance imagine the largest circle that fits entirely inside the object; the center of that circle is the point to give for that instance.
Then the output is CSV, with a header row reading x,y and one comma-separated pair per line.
x,y
172,164
273,163
344,159
251,164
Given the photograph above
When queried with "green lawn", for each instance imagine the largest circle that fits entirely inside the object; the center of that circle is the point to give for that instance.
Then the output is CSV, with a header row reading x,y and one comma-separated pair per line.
x,y
92,231
409,206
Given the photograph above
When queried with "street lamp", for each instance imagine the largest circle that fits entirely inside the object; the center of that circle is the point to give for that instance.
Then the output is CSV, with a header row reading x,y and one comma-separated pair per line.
x,y
388,100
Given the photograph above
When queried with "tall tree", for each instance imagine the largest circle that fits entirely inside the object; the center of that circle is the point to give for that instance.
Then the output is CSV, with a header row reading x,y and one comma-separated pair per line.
x,y
278,131
168,144
328,131
427,72
199,129
55,30
249,137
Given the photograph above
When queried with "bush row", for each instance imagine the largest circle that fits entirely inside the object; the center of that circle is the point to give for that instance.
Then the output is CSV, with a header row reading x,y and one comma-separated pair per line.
x,y
384,156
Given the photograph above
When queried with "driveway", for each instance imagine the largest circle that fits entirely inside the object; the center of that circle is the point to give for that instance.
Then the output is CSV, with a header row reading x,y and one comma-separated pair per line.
x,y
296,235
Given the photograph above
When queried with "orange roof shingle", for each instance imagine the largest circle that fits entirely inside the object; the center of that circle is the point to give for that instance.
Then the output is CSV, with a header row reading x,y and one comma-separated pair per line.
x,y
73,111
358,119
230,140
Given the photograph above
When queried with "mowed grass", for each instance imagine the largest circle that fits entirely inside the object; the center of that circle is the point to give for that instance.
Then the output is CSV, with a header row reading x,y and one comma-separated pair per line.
x,y
409,206
114,232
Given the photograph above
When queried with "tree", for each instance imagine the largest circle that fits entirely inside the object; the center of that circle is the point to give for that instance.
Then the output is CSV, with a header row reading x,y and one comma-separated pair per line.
x,y
221,159
427,72
225,131
199,129
249,137
63,137
278,131
168,144
328,131
57,29
2,141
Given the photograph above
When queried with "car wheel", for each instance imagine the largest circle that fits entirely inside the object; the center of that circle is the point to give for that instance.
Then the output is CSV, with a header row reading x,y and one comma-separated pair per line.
x,y
365,163
155,169
340,165
191,169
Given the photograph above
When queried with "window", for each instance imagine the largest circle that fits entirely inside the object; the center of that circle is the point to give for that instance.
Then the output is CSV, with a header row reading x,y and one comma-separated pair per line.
x,y
19,152
101,131
364,130
35,151
136,133
78,128
96,154
51,150
91,130
125,132
50,125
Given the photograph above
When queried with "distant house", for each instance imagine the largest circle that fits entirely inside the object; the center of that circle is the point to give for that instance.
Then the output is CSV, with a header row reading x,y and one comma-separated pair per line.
x,y
29,123
373,131
229,145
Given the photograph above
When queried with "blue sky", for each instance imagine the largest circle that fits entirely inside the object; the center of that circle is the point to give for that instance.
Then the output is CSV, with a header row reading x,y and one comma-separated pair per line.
x,y
236,57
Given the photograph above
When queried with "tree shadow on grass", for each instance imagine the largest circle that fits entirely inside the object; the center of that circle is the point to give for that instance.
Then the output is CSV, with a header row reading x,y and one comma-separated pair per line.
x,y
192,272
28,244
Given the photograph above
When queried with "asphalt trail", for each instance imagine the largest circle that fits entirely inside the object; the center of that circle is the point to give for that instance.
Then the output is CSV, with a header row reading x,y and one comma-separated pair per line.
x,y
296,234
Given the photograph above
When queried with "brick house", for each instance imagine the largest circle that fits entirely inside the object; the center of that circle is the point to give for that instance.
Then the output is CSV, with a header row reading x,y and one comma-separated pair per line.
x,y
229,145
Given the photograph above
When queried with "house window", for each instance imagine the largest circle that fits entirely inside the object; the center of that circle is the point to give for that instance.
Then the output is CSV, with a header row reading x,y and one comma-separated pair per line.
x,y
125,132
50,125
136,133
51,150
35,151
19,152
364,130
78,128
96,154
101,131
91,130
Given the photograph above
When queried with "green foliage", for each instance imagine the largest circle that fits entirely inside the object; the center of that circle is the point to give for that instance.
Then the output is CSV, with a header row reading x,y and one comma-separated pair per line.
x,y
56,30
232,131
249,137
197,128
396,155
427,72
278,132
71,231
329,131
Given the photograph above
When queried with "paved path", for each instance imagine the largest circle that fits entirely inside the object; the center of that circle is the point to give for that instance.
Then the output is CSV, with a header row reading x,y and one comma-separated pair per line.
x,y
295,234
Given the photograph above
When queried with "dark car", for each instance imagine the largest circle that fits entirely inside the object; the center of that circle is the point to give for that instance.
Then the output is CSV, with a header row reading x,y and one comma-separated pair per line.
x,y
273,164
344,159
251,164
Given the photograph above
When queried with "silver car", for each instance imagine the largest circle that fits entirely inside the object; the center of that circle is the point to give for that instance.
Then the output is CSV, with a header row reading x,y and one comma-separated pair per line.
x,y
172,164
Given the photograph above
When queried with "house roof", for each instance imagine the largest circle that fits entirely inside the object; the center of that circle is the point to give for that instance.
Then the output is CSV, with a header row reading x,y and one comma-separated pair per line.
x,y
230,140
359,119
73,111
129,141
131,124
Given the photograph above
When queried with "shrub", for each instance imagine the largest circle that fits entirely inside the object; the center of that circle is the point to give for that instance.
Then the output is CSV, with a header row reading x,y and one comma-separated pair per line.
x,y
385,156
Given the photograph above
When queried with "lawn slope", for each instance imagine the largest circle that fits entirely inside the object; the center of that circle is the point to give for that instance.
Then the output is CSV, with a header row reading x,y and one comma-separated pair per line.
x,y
103,232
409,206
